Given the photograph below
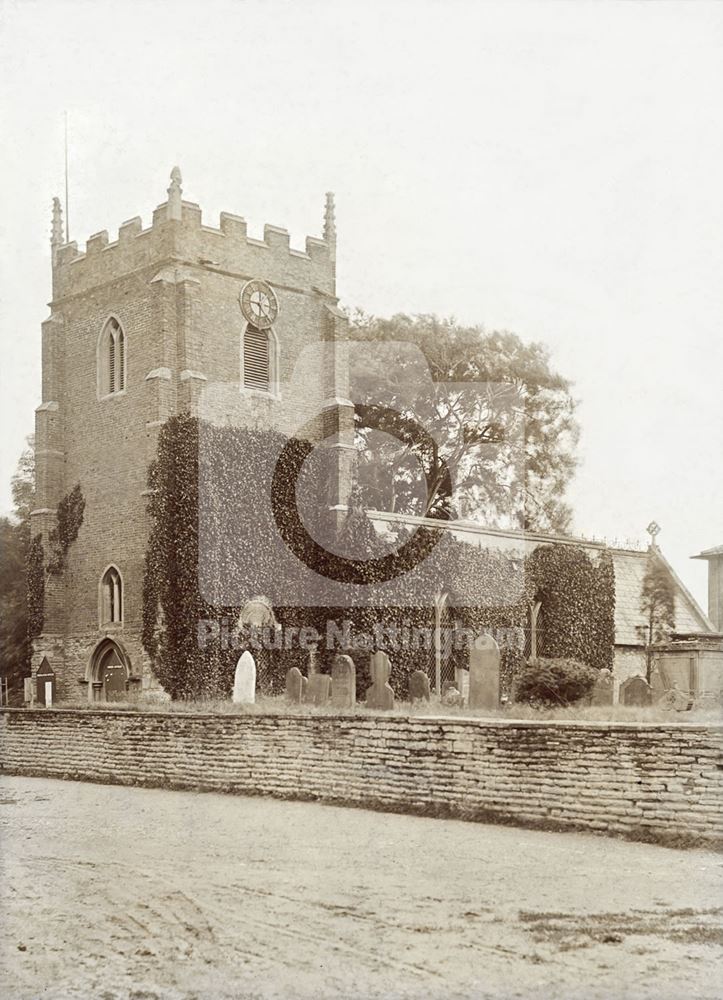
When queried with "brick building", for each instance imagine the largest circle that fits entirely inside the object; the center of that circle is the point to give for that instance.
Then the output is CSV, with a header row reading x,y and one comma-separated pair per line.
x,y
137,328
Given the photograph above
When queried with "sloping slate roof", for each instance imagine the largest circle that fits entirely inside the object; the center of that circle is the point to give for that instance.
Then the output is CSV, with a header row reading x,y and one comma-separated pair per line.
x,y
629,567
629,572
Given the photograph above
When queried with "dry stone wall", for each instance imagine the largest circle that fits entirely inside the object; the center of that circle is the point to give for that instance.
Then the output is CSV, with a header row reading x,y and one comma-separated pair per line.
x,y
662,782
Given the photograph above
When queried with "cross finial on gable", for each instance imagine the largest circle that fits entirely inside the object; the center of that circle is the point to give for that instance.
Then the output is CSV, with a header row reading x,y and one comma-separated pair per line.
x,y
653,529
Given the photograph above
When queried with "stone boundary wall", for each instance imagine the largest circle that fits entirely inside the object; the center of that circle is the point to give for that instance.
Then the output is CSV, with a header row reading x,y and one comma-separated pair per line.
x,y
651,782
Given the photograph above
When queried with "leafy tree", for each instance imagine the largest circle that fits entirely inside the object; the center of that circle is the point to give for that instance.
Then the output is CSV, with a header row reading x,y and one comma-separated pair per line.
x,y
14,549
500,423
657,603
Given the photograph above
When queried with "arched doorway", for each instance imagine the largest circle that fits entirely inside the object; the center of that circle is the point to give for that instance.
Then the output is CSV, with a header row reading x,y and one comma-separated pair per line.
x,y
108,673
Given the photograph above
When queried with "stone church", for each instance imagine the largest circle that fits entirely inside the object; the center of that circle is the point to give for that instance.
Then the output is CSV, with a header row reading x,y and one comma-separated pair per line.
x,y
138,327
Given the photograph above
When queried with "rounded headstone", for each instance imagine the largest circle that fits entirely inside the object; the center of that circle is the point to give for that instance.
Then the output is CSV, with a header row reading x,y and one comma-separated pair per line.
x,y
244,684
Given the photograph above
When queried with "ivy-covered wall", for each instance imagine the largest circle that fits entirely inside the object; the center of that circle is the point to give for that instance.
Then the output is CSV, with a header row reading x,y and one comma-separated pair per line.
x,y
241,555
577,618
69,519
36,586
68,522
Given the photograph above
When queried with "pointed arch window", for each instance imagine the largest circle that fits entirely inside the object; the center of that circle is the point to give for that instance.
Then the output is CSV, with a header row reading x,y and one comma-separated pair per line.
x,y
111,597
112,359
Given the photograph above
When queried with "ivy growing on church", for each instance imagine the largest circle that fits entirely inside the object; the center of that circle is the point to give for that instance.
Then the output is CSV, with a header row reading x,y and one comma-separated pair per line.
x,y
578,603
69,519
36,586
242,557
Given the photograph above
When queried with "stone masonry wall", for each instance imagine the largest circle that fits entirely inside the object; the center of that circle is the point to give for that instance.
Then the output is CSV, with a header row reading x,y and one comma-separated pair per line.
x,y
662,782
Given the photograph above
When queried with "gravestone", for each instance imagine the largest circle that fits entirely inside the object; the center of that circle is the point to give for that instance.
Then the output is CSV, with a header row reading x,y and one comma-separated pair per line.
x,y
602,693
484,673
451,695
636,691
313,660
304,685
343,682
379,667
380,695
244,683
462,684
418,686
318,687
294,685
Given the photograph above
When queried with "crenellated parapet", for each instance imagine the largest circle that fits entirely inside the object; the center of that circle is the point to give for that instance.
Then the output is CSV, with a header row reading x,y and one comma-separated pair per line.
x,y
177,235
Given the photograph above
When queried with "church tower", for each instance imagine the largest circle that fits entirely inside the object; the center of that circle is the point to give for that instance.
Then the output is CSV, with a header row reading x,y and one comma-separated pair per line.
x,y
138,329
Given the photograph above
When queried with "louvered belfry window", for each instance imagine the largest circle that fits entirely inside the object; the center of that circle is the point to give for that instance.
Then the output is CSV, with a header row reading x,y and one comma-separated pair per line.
x,y
111,362
257,369
120,354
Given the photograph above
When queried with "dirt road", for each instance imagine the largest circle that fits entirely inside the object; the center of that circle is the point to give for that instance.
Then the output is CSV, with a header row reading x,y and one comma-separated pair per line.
x,y
136,894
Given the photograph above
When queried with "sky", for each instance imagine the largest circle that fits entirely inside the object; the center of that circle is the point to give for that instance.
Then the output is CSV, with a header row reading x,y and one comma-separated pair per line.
x,y
551,168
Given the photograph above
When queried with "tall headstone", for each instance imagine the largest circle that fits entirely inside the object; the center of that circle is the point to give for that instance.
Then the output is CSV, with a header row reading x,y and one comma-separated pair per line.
x,y
244,683
313,660
418,686
602,693
294,685
318,688
343,682
379,667
636,691
380,695
484,673
462,683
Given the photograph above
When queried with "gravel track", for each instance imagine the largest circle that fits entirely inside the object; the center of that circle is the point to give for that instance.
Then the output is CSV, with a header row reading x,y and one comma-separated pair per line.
x,y
140,894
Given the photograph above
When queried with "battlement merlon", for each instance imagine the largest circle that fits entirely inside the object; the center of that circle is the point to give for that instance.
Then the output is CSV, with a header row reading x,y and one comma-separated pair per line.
x,y
178,235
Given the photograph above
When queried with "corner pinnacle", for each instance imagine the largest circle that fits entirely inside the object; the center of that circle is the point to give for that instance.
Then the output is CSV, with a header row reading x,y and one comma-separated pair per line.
x,y
174,194
56,232
330,224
